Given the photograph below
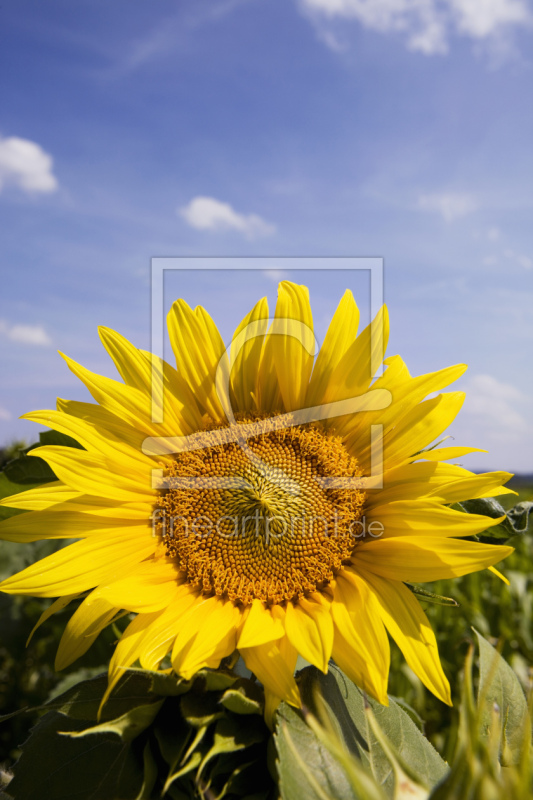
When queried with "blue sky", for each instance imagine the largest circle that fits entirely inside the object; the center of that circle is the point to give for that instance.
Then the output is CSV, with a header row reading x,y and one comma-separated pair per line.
x,y
392,128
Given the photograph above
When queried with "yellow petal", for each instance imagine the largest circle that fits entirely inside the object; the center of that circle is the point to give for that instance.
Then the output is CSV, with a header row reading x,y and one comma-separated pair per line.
x,y
127,650
207,634
358,669
410,628
445,453
341,334
89,619
293,343
421,426
53,608
64,523
246,347
44,496
413,481
90,473
406,393
469,488
92,438
360,638
407,517
272,702
199,349
275,671
81,565
309,628
151,586
128,403
355,370
426,558
259,626
499,575
160,637
94,414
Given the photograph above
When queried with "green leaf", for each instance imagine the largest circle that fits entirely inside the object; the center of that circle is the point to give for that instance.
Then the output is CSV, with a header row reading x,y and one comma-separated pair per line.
x,y
305,766
150,773
521,517
56,438
89,768
431,597
29,469
7,488
216,680
345,703
82,701
516,520
231,735
172,733
244,697
128,726
200,709
498,685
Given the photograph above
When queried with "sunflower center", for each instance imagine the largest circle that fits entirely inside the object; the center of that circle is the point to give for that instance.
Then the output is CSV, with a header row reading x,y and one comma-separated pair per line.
x,y
266,518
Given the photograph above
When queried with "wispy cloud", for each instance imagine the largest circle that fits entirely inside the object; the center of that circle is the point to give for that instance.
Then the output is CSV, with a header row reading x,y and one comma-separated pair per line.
x,y
495,406
209,214
25,334
426,25
171,34
276,275
450,205
25,165
5,416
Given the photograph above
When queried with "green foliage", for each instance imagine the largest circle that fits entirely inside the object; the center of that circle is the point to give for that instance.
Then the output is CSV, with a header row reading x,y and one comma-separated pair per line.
x,y
497,611
346,746
346,711
158,736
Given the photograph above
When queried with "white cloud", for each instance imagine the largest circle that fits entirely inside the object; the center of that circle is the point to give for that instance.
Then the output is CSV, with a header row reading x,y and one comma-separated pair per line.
x,y
426,25
25,334
495,405
519,258
5,416
276,275
450,205
482,18
208,214
26,165
496,418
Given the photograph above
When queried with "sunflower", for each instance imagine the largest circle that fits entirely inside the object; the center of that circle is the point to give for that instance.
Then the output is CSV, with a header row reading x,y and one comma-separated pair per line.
x,y
252,519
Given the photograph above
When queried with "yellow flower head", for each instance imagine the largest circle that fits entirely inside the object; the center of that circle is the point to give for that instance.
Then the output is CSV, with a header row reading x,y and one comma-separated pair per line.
x,y
277,509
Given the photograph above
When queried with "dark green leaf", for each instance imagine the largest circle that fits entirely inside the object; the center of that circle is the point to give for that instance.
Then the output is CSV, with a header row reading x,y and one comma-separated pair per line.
x,y
231,735
521,517
498,685
172,733
56,438
243,697
29,469
128,726
63,768
431,597
200,709
516,520
82,701
216,680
